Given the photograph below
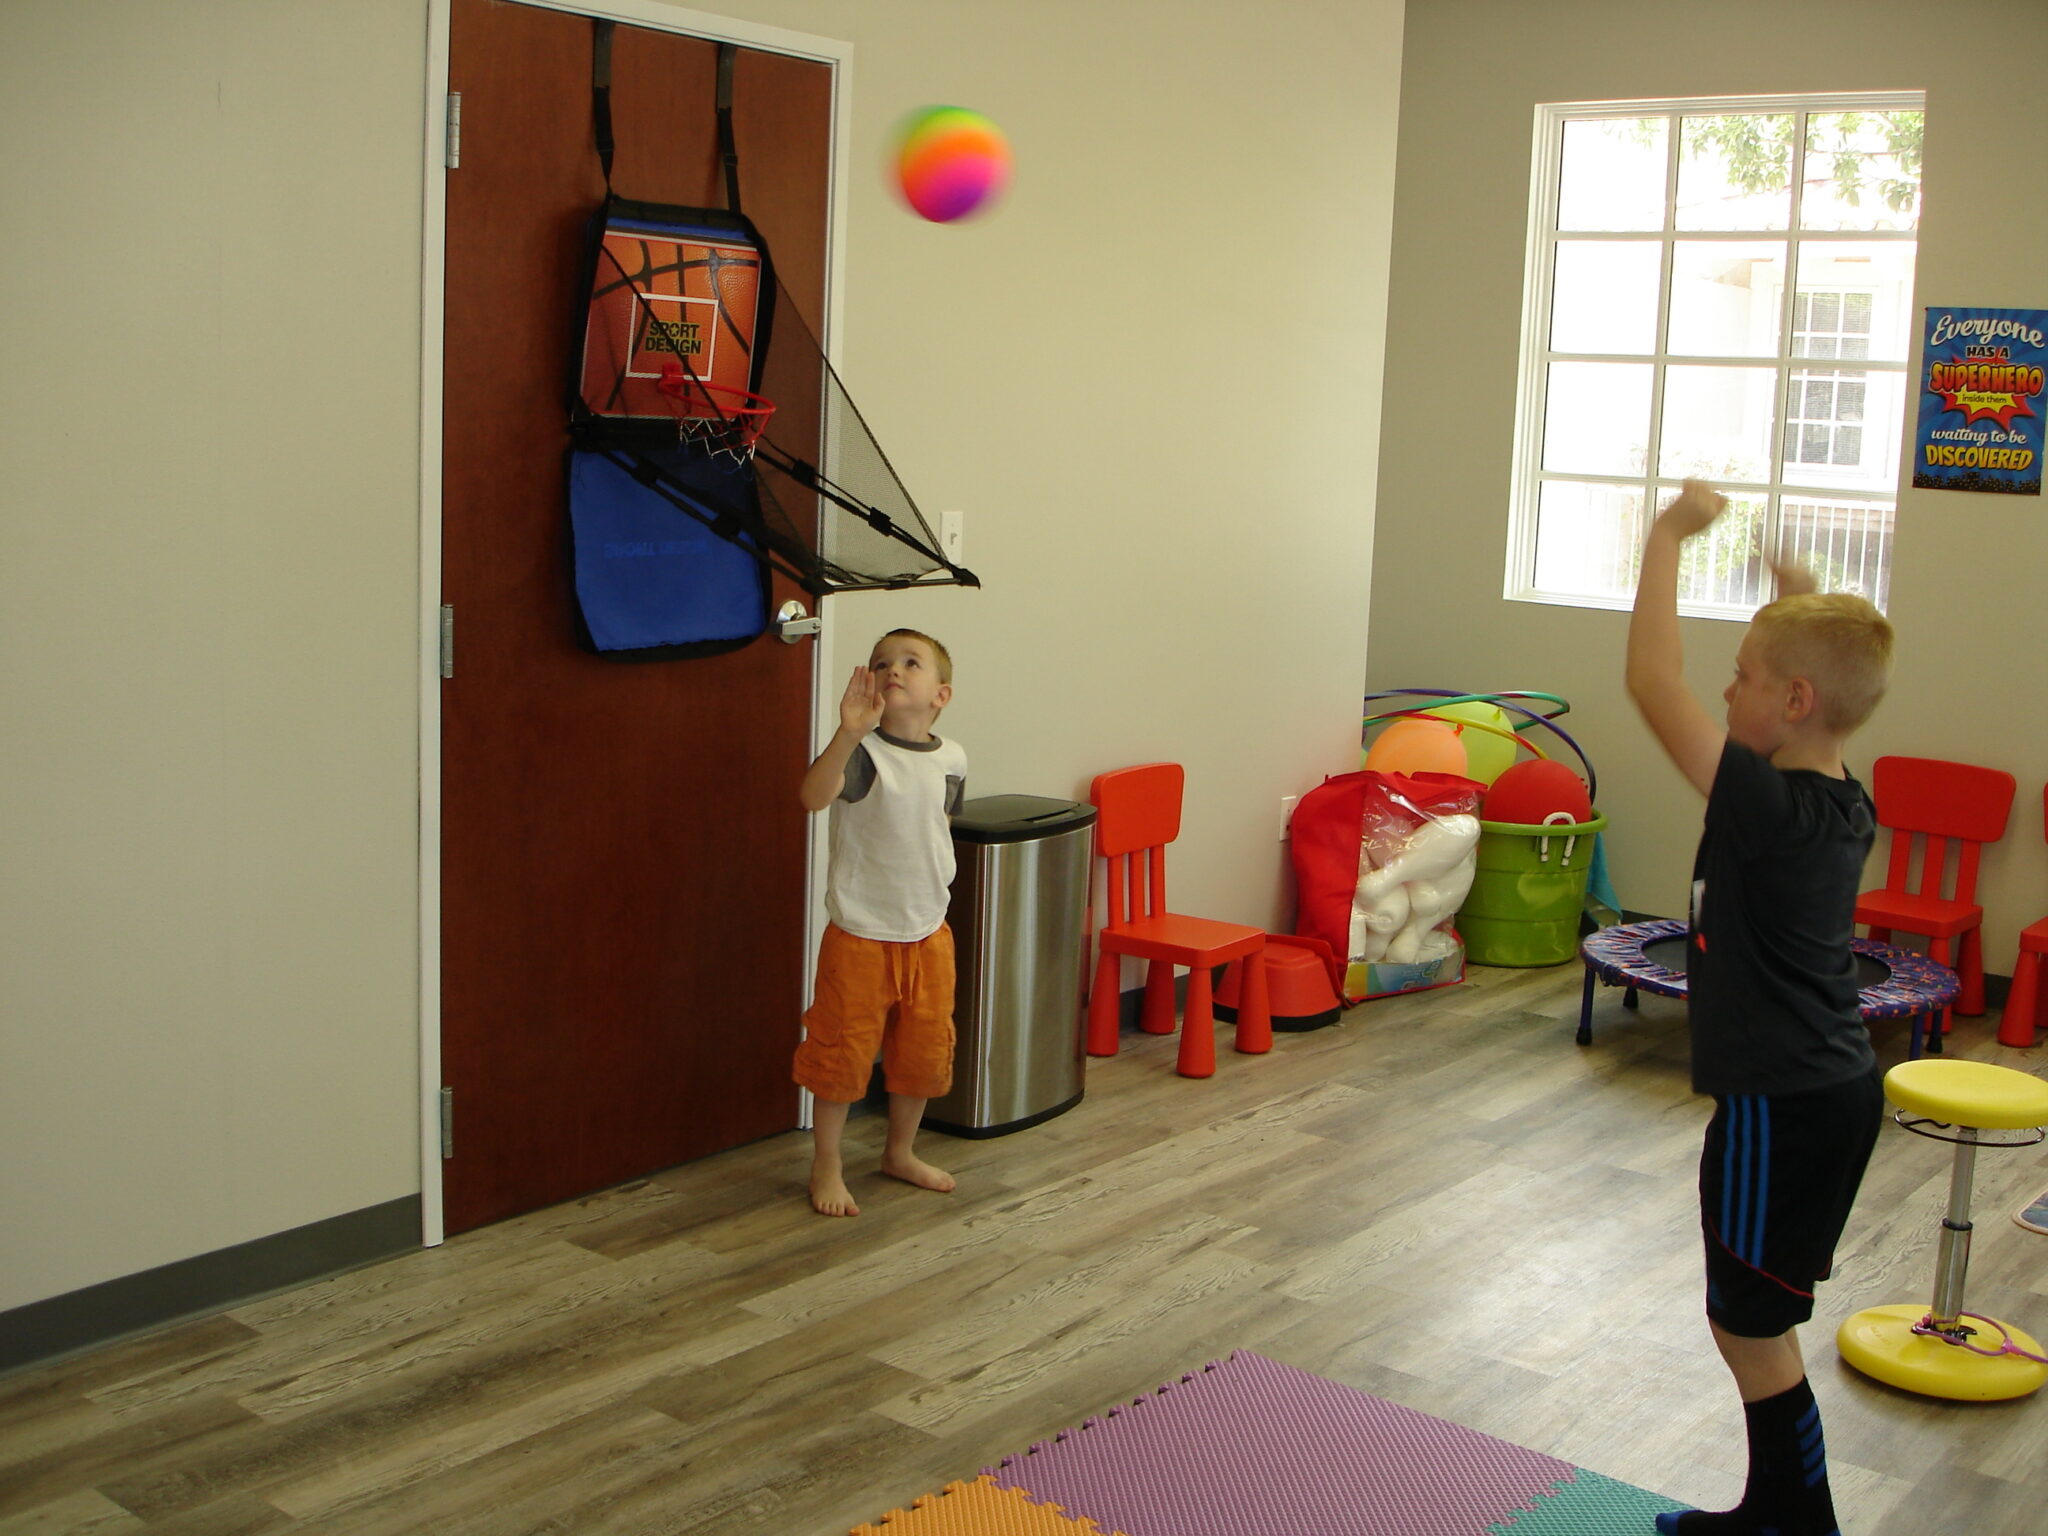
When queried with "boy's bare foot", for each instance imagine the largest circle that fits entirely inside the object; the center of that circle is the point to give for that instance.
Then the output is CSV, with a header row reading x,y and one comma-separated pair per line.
x,y
830,1196
915,1170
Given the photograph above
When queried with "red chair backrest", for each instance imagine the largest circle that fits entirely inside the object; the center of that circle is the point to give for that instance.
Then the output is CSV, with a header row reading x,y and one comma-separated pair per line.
x,y
1137,813
1948,802
1925,794
1137,808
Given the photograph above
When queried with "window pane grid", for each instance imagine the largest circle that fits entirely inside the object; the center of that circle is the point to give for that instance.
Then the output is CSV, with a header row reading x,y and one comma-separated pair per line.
x,y
1783,451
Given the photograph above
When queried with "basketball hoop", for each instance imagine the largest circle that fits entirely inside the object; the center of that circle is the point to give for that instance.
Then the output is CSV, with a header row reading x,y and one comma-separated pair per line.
x,y
681,307
726,420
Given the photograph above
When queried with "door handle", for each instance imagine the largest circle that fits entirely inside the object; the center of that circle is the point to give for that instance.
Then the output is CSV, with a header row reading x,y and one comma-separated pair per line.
x,y
792,622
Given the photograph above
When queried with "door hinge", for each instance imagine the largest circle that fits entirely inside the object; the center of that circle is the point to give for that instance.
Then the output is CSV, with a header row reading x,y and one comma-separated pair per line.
x,y
454,129
447,640
447,1122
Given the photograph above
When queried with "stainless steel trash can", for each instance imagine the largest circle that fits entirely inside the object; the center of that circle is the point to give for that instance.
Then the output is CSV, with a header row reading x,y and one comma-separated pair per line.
x,y
1020,898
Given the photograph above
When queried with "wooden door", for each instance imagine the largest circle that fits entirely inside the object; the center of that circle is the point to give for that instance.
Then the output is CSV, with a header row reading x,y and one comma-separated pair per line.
x,y
623,854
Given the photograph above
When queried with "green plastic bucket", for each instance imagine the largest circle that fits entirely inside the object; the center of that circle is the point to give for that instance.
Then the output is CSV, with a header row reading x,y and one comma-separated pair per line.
x,y
1528,892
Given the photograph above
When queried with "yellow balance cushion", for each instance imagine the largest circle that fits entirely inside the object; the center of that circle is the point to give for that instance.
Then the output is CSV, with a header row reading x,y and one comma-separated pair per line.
x,y
1969,1093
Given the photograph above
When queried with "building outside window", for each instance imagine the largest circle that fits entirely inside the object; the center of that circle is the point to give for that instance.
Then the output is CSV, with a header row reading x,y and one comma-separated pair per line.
x,y
1721,289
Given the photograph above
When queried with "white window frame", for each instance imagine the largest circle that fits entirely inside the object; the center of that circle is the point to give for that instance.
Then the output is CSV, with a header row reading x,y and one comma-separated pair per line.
x,y
1818,366
1536,356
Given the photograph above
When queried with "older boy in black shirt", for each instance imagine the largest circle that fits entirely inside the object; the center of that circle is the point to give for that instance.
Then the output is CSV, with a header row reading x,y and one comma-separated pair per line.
x,y
1777,1036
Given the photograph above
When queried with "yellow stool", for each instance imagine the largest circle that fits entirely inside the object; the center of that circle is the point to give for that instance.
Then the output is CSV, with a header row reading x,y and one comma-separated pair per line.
x,y
1934,1351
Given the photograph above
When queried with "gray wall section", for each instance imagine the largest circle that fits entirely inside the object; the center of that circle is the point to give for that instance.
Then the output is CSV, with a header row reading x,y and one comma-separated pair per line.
x,y
1966,590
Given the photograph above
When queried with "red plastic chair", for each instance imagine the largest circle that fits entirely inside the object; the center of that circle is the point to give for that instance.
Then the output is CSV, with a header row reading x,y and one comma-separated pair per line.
x,y
1937,807
2022,1014
1138,815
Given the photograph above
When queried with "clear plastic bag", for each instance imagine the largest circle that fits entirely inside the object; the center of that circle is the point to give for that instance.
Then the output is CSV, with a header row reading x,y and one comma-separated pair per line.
x,y
1417,851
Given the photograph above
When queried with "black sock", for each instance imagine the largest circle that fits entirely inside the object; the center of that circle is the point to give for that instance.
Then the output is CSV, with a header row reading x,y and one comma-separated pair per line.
x,y
1787,1493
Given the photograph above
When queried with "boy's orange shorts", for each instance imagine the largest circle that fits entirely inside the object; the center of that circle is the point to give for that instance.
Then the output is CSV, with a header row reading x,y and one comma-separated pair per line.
x,y
872,995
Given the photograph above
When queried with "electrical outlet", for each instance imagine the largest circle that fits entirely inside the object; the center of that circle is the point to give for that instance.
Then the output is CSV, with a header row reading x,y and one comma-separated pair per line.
x,y
1287,804
952,536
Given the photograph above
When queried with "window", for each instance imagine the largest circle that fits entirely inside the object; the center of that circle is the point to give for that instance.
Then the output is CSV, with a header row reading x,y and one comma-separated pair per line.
x,y
1721,289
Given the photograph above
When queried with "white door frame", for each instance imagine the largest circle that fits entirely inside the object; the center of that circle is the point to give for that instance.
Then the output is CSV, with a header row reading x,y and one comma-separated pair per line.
x,y
662,18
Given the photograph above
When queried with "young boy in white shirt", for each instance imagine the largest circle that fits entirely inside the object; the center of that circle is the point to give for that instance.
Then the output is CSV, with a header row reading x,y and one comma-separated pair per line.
x,y
885,964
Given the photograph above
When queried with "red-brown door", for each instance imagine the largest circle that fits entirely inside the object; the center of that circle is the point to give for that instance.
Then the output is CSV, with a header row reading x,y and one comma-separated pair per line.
x,y
622,851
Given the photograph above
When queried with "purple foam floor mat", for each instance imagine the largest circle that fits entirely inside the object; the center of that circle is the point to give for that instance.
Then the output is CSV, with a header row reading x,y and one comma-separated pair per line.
x,y
1251,1445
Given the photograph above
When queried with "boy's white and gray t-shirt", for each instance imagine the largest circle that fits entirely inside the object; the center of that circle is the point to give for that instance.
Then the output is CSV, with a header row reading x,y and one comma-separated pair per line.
x,y
892,847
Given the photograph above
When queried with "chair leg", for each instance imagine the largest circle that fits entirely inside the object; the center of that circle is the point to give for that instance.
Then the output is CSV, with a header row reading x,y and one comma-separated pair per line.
x,y
1971,1002
1103,1007
1156,1017
1586,1009
1919,1040
1880,935
1198,1026
2017,1024
1939,952
1254,1015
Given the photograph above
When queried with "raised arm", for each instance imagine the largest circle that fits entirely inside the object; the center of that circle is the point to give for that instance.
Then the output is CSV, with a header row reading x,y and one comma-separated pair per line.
x,y
860,711
1795,577
1656,656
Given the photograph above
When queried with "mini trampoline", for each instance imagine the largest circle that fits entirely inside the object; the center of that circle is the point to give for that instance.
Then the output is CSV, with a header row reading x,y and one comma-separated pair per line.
x,y
1650,957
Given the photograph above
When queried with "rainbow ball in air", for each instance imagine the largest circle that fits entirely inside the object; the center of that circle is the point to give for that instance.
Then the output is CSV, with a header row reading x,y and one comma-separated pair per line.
x,y
950,161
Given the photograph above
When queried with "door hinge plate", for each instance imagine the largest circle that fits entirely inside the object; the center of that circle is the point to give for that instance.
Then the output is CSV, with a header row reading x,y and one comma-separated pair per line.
x,y
454,129
447,1122
447,640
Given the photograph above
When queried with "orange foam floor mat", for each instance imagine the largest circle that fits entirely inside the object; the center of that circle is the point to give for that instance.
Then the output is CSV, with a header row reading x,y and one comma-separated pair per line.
x,y
980,1508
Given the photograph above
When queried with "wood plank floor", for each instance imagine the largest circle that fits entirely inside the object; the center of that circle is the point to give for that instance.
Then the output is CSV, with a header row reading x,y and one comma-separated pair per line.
x,y
1443,1201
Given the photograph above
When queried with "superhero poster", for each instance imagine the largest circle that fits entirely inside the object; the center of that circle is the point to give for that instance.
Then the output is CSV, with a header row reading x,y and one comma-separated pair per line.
x,y
1981,401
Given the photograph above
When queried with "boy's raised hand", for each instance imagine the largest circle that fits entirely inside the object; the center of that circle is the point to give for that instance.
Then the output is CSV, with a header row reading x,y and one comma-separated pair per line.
x,y
860,707
1693,509
1795,577
1656,662
860,711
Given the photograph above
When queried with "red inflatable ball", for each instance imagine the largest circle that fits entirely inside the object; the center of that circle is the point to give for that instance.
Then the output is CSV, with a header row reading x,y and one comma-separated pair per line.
x,y
1528,794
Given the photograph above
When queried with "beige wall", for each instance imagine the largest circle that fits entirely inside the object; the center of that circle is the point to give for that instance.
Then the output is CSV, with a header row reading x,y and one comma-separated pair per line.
x,y
1967,594
211,524
211,399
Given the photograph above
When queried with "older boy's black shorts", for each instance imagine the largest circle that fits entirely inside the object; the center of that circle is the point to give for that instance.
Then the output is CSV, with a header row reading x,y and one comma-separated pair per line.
x,y
1778,1174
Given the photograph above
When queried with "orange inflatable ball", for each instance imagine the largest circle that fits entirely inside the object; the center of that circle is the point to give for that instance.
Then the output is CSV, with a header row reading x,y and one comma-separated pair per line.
x,y
1417,746
1530,792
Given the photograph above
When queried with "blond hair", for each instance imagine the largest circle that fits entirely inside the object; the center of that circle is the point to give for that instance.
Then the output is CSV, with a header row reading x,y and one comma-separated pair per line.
x,y
1837,641
945,657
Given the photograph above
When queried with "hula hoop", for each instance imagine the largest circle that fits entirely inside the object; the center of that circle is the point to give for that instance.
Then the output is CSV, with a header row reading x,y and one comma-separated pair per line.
x,y
1445,696
1460,725
1451,696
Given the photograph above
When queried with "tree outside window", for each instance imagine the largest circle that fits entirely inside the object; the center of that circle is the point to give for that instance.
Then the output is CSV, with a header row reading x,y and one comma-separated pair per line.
x,y
1721,289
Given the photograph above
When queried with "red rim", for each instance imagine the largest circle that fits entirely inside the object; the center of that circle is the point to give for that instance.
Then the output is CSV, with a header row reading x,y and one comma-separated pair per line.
x,y
741,410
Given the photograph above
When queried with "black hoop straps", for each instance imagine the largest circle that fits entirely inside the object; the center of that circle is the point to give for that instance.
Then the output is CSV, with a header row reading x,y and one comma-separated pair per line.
x,y
601,95
601,109
728,148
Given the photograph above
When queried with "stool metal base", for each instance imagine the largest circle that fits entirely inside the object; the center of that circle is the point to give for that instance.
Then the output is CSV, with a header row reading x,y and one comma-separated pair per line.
x,y
1880,1342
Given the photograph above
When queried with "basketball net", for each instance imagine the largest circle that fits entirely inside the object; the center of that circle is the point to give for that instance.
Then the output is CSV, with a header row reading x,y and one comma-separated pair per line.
x,y
721,418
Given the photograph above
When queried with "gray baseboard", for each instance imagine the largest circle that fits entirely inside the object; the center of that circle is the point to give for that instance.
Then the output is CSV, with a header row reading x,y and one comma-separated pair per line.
x,y
206,1283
